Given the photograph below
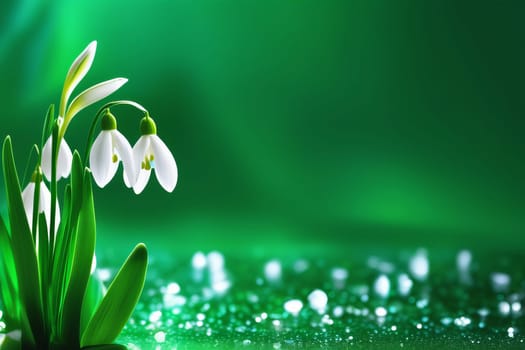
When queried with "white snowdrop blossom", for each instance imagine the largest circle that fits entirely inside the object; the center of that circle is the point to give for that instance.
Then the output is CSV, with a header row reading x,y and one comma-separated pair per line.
x,y
78,70
150,152
67,112
44,202
109,148
95,93
64,160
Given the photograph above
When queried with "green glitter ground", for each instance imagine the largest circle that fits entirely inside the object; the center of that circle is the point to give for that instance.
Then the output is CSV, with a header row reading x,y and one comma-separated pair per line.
x,y
448,308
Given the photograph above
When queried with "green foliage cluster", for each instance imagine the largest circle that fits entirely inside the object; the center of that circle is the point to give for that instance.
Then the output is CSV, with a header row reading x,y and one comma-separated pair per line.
x,y
50,296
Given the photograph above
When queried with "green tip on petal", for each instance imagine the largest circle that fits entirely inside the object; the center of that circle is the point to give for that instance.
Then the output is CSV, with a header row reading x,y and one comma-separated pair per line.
x,y
109,122
147,126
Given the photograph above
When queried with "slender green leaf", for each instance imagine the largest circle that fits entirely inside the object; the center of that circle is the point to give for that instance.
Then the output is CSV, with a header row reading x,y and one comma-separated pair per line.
x,y
34,150
93,94
36,202
76,186
67,238
59,267
77,71
43,249
48,124
84,249
23,249
28,340
118,304
9,297
43,264
8,279
53,185
94,293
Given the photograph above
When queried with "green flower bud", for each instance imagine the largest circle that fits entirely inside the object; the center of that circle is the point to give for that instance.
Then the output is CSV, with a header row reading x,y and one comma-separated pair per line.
x,y
147,126
109,122
37,175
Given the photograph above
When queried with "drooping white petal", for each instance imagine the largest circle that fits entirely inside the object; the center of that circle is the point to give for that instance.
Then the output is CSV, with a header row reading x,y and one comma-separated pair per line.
x,y
165,166
44,206
28,196
65,158
126,181
64,161
44,202
113,167
142,181
92,95
57,216
77,72
46,159
139,151
100,158
124,151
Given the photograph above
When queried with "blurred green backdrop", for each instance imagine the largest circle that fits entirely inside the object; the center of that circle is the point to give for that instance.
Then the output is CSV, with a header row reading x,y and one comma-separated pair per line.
x,y
295,124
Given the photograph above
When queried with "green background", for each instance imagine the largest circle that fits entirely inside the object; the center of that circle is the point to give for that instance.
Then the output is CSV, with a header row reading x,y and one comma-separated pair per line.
x,y
297,126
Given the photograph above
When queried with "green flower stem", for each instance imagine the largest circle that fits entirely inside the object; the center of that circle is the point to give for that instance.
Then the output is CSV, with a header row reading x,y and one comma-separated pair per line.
x,y
43,264
36,201
46,131
60,264
55,142
34,149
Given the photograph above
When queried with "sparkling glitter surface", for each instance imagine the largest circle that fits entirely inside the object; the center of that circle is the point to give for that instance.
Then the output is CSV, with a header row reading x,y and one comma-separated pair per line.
x,y
307,303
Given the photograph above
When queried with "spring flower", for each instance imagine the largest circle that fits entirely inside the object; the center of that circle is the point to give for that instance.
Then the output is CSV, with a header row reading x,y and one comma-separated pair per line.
x,y
150,152
78,70
89,96
44,201
109,148
95,93
65,157
75,74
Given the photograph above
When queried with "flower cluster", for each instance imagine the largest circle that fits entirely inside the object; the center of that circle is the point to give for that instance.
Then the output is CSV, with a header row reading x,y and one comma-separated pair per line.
x,y
149,152
48,290
109,148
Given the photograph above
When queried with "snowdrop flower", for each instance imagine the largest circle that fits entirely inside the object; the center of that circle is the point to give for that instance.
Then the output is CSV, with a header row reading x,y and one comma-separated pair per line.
x,y
150,152
109,148
78,70
95,93
88,97
64,160
44,201
67,112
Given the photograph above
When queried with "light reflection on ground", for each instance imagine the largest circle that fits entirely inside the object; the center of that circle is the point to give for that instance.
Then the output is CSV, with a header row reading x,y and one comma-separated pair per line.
x,y
411,301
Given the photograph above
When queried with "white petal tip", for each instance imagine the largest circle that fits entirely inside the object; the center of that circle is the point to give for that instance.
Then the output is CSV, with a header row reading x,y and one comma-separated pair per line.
x,y
100,183
138,190
169,188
